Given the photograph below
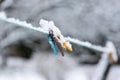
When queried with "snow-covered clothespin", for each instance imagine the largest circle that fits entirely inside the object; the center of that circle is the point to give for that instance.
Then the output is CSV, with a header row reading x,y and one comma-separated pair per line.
x,y
55,37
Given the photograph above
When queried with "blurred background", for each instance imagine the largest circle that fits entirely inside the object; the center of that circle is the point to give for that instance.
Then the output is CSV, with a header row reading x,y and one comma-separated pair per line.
x,y
26,55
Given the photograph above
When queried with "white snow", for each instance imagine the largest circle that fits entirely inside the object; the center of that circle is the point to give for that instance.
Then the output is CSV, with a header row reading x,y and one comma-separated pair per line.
x,y
19,69
76,74
44,25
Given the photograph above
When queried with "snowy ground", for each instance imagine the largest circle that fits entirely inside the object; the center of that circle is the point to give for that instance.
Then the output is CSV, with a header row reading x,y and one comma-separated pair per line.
x,y
19,69
64,69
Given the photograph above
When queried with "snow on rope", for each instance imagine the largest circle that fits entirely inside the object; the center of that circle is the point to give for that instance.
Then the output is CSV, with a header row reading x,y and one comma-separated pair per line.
x,y
3,17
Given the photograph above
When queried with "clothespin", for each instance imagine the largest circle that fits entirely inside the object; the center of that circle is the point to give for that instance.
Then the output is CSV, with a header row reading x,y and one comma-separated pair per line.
x,y
55,41
55,38
52,44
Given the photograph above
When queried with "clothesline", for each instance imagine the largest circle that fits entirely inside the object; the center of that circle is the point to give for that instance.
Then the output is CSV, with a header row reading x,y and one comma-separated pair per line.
x,y
19,23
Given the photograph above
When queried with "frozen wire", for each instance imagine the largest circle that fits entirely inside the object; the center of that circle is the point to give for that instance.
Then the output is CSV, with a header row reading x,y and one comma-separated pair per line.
x,y
87,44
19,23
28,25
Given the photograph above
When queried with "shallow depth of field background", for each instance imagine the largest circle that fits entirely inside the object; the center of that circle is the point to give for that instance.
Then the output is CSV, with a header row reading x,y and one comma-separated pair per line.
x,y
27,54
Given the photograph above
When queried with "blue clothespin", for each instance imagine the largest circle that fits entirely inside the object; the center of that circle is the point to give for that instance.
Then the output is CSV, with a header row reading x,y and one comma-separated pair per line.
x,y
52,44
